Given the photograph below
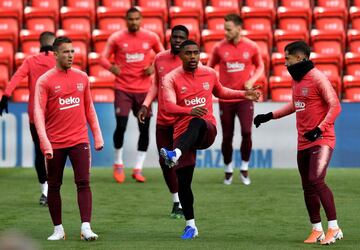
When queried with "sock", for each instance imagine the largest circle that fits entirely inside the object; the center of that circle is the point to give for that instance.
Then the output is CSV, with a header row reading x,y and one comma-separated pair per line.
x,y
140,158
118,156
244,166
44,188
333,224
229,168
85,225
191,223
59,228
175,197
317,226
178,154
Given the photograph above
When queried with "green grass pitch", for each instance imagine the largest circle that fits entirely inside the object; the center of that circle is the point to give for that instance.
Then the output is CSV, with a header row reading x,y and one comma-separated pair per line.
x,y
268,214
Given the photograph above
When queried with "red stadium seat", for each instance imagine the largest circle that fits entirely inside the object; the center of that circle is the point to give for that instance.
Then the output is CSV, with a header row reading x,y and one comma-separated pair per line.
x,y
264,41
50,4
284,37
353,38
40,19
226,3
215,16
191,4
95,69
188,17
257,18
278,65
85,4
157,4
328,41
210,38
280,88
354,12
4,68
356,3
99,38
111,18
352,64
330,18
76,19
7,44
332,3
123,4
9,22
11,5
102,95
80,42
204,58
153,19
260,3
19,59
21,94
352,88
329,64
296,3
29,40
295,19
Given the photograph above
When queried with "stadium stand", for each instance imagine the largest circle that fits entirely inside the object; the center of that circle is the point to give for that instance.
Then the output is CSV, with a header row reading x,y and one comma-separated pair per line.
x,y
332,28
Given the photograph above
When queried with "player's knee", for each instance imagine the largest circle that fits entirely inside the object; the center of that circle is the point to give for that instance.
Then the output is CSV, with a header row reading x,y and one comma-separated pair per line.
x,y
246,135
82,184
198,123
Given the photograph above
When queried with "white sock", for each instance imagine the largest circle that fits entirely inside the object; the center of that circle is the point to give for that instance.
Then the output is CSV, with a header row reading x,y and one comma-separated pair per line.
x,y
333,224
178,154
191,223
317,226
59,228
140,158
85,225
118,156
175,197
44,188
229,168
244,166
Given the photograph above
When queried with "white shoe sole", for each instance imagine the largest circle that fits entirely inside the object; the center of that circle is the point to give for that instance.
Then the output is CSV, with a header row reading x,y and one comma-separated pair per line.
x,y
245,180
228,181
91,238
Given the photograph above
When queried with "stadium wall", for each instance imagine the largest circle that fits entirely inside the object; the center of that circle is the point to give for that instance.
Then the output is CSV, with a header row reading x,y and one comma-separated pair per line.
x,y
274,143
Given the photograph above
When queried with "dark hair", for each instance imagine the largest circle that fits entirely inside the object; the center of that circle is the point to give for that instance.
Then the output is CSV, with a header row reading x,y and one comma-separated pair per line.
x,y
298,46
235,18
60,40
46,38
132,10
181,28
187,42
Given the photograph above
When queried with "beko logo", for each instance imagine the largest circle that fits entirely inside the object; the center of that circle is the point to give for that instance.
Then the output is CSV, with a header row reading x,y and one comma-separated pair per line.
x,y
299,106
235,66
136,57
197,101
71,102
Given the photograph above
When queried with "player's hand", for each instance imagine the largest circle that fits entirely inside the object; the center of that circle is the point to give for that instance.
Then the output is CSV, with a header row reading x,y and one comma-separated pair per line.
x,y
49,154
99,147
262,118
115,70
198,111
313,134
143,112
252,94
149,70
4,104
248,85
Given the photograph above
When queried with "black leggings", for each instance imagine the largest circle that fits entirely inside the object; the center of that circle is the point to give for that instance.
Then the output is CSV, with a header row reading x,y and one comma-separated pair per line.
x,y
185,175
39,157
118,138
194,133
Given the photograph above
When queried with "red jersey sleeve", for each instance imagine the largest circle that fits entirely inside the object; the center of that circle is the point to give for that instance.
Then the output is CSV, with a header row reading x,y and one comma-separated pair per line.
x,y
20,74
40,102
150,96
157,47
259,65
108,51
92,119
226,93
214,58
329,95
284,111
169,96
